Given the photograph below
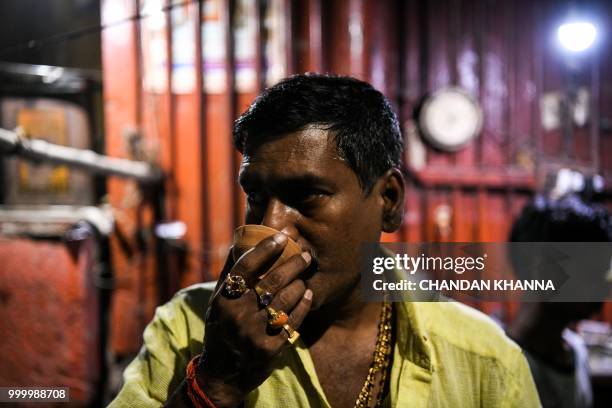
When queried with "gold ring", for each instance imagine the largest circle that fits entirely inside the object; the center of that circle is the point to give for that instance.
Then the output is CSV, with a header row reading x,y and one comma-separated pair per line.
x,y
276,319
263,296
234,287
292,333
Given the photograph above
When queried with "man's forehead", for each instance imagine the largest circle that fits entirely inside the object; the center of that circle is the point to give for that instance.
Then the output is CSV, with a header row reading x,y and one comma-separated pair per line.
x,y
311,149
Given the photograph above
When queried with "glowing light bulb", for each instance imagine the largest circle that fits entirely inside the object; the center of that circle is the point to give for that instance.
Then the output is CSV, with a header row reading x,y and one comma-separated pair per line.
x,y
577,36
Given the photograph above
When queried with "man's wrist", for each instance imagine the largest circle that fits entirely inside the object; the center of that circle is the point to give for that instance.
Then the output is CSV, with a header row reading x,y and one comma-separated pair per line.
x,y
221,394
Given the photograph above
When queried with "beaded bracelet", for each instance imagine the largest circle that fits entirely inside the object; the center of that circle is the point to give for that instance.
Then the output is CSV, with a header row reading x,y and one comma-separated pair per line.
x,y
197,396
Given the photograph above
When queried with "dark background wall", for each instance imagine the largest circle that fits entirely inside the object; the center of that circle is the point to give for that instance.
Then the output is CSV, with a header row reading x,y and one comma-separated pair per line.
x,y
54,32
53,326
502,52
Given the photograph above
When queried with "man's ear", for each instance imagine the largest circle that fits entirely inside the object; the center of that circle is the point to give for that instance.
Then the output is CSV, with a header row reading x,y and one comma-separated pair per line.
x,y
392,194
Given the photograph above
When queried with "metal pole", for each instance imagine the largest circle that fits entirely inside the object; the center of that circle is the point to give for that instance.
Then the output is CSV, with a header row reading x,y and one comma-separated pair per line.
x,y
41,150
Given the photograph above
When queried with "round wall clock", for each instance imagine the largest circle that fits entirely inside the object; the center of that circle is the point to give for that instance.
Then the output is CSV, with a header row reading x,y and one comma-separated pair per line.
x,y
450,118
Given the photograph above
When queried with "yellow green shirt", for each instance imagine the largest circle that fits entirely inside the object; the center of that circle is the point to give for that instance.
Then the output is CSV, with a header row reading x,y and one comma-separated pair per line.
x,y
446,355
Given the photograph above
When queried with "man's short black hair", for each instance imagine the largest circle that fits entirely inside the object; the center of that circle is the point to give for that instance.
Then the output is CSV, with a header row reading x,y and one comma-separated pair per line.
x,y
567,219
360,119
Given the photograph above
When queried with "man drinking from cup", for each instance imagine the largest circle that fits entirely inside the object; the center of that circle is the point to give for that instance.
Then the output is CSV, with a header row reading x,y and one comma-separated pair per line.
x,y
320,168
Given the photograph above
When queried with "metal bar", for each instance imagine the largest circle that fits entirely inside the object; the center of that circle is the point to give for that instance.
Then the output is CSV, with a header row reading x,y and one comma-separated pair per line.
x,y
289,38
139,68
231,99
315,26
595,112
46,219
538,79
41,150
202,131
356,28
260,51
50,73
172,208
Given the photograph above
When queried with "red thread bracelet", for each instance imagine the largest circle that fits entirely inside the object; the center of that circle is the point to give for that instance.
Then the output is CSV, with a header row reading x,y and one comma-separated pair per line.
x,y
197,396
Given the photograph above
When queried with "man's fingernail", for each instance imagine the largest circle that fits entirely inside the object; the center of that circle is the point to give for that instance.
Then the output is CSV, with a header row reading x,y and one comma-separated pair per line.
x,y
306,256
308,294
280,239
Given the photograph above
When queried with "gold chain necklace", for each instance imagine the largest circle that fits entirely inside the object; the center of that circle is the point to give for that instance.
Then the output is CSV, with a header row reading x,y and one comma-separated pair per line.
x,y
381,359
